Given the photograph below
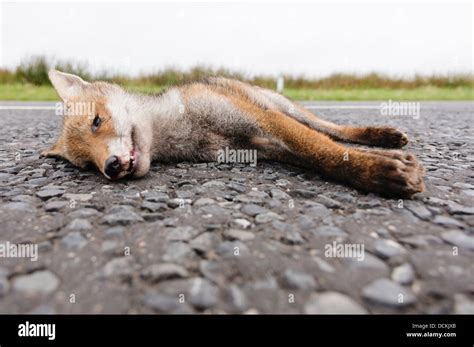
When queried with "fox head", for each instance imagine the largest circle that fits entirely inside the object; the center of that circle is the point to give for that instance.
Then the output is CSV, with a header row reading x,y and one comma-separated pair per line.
x,y
101,126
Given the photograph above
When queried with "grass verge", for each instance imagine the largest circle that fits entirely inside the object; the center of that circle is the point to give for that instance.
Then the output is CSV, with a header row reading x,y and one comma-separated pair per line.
x,y
29,92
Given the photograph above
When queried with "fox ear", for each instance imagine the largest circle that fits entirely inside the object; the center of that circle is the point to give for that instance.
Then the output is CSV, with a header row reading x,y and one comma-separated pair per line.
x,y
67,86
56,150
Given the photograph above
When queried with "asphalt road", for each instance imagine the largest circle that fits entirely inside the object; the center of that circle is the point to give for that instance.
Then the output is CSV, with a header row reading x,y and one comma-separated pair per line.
x,y
234,238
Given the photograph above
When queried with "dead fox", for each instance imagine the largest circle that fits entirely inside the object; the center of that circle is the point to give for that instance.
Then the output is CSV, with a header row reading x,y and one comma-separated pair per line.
x,y
192,122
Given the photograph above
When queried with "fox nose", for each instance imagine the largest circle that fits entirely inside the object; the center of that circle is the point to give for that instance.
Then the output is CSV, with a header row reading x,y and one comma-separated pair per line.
x,y
112,166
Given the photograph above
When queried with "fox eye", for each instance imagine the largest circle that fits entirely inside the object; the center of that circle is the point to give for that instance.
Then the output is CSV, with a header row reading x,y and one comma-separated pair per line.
x,y
96,122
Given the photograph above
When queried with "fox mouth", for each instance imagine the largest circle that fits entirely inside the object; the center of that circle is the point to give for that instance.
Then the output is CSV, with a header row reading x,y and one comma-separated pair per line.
x,y
129,165
134,154
133,161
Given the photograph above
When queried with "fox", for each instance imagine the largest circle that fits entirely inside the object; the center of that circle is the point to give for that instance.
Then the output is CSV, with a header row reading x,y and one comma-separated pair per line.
x,y
193,121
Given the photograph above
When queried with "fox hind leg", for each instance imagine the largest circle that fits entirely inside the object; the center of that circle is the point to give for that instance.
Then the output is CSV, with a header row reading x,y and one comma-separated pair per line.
x,y
382,136
389,176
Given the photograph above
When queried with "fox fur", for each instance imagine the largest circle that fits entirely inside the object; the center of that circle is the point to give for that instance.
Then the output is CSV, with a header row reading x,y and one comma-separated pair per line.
x,y
192,122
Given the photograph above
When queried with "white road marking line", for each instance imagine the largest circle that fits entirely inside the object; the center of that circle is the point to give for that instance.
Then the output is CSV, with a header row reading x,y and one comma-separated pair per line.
x,y
309,107
27,107
343,107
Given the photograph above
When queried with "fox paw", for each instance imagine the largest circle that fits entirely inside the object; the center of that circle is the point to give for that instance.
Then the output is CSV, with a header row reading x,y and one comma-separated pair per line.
x,y
385,137
405,157
399,176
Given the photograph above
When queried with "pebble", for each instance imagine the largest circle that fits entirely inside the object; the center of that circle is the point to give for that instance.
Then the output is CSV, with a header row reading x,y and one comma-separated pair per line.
x,y
432,200
282,226
388,248
459,239
232,249
455,208
267,217
212,270
203,294
243,223
154,206
4,286
328,202
282,182
236,299
462,185
177,252
5,176
298,280
41,282
324,265
164,303
216,212
463,304
419,210
156,197
214,184
74,240
116,231
125,217
306,223
36,182
387,292
332,303
447,221
53,206
118,267
318,210
85,212
175,203
182,233
421,240
24,198
292,237
163,271
204,201
18,206
240,188
112,247
303,193
43,309
204,242
152,216
234,234
279,194
403,274
370,262
253,210
329,231
269,283
49,193
367,204
78,197
80,224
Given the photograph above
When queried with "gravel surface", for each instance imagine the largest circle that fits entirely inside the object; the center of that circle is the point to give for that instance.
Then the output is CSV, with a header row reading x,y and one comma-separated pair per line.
x,y
211,237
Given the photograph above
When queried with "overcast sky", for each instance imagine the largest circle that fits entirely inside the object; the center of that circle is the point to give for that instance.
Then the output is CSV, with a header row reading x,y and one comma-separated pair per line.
x,y
311,39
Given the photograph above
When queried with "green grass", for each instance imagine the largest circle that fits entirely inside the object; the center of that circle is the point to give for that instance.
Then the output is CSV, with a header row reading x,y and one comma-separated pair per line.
x,y
28,92
418,94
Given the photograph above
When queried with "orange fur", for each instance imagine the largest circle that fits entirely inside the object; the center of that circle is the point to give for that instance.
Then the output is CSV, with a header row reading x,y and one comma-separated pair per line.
x,y
78,144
